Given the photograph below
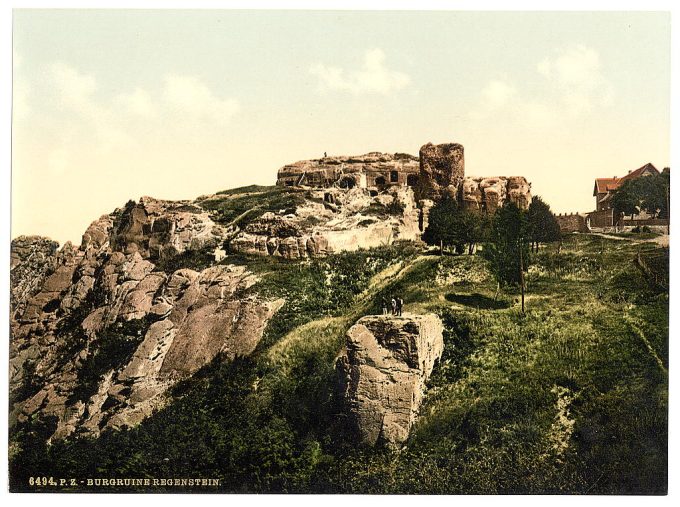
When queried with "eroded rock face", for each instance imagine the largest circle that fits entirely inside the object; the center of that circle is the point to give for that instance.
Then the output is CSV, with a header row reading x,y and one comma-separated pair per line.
x,y
349,220
159,229
32,259
101,333
442,169
490,193
382,373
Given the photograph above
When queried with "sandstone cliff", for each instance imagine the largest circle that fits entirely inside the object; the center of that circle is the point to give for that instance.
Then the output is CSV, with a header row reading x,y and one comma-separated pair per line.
x,y
100,332
382,373
333,220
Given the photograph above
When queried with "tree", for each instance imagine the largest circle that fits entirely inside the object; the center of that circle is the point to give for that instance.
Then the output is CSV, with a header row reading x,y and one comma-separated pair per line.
x,y
655,191
542,224
441,224
648,193
628,198
508,249
449,225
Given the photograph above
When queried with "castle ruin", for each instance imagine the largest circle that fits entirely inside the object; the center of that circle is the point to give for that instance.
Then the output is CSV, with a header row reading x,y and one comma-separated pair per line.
x,y
438,172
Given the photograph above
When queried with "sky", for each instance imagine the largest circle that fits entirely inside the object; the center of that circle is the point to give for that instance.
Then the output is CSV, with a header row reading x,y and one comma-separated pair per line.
x,y
112,105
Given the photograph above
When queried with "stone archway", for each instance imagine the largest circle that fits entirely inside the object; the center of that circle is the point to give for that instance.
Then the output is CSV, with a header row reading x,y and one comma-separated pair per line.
x,y
412,180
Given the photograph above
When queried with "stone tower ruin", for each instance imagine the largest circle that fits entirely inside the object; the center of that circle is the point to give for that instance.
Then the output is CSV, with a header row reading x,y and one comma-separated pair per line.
x,y
442,170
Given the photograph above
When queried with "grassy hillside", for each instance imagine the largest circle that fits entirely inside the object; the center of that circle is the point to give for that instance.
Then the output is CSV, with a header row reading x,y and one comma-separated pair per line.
x,y
569,398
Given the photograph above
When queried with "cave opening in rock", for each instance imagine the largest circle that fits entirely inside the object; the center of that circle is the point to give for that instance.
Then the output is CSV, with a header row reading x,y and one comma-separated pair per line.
x,y
347,183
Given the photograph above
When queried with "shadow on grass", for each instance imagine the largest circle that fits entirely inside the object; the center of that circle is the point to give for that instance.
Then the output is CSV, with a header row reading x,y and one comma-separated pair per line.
x,y
477,300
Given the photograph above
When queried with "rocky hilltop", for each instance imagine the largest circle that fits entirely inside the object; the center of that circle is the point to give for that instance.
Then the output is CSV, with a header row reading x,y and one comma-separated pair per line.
x,y
101,331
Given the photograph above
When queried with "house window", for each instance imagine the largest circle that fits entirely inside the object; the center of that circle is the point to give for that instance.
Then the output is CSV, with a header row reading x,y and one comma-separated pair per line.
x,y
394,177
412,180
380,180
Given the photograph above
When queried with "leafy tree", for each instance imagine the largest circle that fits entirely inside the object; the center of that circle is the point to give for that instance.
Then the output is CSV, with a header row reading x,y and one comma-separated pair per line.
x,y
449,225
649,193
655,191
442,224
508,248
543,226
471,228
627,199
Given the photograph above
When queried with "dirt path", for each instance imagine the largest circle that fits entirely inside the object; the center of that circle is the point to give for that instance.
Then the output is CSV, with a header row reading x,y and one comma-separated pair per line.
x,y
663,240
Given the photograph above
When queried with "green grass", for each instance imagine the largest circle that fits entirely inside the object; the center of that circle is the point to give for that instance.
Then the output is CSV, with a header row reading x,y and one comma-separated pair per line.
x,y
569,398
243,205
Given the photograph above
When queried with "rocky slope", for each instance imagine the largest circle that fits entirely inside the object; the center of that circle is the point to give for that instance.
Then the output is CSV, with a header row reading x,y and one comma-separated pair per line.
x,y
330,220
100,332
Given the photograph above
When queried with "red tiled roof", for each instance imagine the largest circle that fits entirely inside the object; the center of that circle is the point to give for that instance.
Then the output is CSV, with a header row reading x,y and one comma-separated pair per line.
x,y
638,172
604,185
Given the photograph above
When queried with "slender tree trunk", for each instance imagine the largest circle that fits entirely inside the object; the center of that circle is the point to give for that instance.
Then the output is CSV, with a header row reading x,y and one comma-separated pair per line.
x,y
498,289
441,247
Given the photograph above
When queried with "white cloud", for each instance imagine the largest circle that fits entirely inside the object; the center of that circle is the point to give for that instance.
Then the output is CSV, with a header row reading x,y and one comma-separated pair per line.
x,y
570,84
373,77
497,93
189,96
576,75
138,103
75,89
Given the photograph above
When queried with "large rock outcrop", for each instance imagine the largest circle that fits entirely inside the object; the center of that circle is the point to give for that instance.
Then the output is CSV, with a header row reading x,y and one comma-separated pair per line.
x,y
382,373
333,220
101,333
489,193
158,229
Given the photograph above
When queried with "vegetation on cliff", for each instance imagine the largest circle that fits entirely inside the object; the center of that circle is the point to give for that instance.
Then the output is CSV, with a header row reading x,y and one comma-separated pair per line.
x,y
569,398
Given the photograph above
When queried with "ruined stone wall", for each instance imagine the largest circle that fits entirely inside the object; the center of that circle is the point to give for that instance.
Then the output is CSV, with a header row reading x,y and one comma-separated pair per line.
x,y
572,222
365,171
604,218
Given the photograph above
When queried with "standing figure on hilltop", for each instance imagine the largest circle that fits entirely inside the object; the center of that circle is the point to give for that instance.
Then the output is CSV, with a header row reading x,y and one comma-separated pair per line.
x,y
394,305
384,305
400,305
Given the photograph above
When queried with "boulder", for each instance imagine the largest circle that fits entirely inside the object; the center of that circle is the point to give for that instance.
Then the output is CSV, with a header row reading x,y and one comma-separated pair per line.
x,y
382,373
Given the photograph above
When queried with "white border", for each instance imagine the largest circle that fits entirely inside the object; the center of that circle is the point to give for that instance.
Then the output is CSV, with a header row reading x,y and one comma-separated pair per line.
x,y
480,5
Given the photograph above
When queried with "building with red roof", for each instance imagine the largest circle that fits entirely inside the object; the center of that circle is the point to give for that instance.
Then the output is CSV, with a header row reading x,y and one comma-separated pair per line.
x,y
605,187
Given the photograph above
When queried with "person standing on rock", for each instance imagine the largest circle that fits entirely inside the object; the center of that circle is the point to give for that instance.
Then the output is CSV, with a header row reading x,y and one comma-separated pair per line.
x,y
384,305
394,305
400,304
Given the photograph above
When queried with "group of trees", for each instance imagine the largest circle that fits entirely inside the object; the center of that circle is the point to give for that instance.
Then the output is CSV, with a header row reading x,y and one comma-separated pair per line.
x,y
649,194
451,226
508,236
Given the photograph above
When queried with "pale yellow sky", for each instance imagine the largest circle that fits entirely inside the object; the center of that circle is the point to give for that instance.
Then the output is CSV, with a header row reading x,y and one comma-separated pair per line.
x,y
112,105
